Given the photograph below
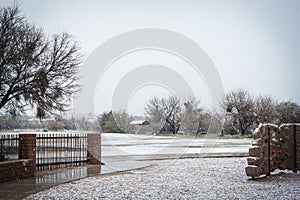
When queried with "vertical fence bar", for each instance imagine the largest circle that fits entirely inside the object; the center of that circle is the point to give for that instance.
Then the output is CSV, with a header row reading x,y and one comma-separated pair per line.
x,y
295,149
75,148
69,149
72,148
269,152
80,147
46,142
60,150
72,152
37,154
39,150
53,148
44,151
53,151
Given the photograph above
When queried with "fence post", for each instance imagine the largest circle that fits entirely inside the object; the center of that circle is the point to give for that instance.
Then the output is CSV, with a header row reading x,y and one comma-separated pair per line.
x,y
269,151
295,148
28,147
94,148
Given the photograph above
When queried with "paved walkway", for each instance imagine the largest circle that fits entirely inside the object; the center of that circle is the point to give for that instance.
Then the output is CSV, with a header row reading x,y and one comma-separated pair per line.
x,y
20,189
202,178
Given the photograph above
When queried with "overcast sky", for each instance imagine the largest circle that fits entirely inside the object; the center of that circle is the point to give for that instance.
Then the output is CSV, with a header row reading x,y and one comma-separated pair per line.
x,y
255,45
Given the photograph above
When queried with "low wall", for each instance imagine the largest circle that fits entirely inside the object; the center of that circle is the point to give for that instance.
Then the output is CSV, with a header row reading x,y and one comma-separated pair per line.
x,y
16,169
274,147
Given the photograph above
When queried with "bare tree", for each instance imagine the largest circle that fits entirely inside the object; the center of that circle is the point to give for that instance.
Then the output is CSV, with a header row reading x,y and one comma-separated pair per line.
x,y
154,113
35,70
195,119
288,112
241,106
265,108
165,111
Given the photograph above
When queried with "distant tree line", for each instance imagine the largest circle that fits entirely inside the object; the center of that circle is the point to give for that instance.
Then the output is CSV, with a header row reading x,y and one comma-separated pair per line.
x,y
171,115
107,122
51,123
244,112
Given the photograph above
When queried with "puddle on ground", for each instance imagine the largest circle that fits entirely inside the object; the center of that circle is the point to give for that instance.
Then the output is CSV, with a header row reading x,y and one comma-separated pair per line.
x,y
22,188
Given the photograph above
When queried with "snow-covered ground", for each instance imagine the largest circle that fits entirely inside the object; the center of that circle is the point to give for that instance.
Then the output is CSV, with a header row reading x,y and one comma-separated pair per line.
x,y
137,145
200,178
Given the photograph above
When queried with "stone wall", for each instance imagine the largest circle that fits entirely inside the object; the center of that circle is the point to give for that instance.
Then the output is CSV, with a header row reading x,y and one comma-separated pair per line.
x,y
16,169
274,148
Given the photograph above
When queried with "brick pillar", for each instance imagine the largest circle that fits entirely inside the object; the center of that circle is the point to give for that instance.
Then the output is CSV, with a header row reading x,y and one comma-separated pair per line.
x,y
94,169
28,147
94,148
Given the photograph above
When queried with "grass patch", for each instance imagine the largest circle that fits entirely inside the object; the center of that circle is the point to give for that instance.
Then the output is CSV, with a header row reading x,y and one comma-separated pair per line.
x,y
236,136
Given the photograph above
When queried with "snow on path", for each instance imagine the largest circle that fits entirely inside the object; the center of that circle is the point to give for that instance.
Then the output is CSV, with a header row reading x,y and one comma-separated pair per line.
x,y
200,178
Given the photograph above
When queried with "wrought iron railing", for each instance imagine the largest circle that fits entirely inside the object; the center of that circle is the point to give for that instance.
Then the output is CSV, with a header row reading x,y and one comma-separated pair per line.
x,y
9,146
58,150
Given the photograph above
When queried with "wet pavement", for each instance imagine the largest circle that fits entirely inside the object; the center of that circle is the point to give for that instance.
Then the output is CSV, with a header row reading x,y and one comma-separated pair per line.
x,y
20,189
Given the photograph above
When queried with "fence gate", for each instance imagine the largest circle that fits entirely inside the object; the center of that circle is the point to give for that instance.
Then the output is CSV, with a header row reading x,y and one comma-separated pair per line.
x,y
58,150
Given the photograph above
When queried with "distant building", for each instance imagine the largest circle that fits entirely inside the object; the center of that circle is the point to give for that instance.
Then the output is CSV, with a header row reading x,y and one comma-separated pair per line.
x,y
40,120
139,124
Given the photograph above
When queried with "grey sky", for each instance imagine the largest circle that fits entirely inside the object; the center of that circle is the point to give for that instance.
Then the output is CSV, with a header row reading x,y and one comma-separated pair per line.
x,y
255,45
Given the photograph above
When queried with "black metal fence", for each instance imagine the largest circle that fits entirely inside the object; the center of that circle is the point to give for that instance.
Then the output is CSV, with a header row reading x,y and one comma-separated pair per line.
x,y
9,147
58,150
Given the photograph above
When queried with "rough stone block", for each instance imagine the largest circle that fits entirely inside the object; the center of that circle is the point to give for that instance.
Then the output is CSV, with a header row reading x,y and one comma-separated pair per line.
x,y
256,134
255,161
255,151
253,171
257,142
